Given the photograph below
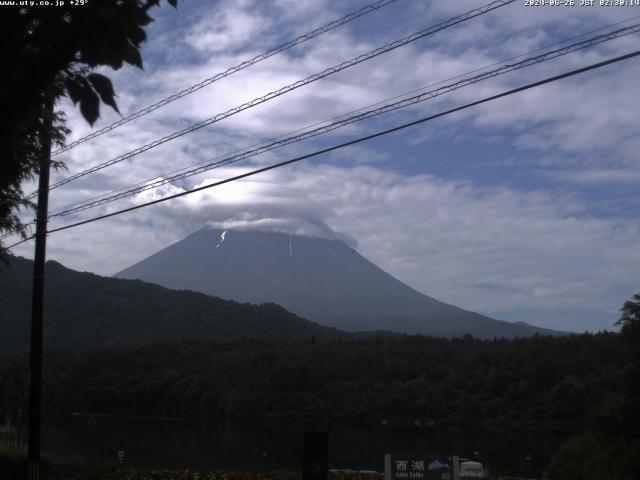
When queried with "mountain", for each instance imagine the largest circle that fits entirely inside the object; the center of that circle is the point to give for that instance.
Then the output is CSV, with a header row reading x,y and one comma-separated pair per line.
x,y
323,280
85,311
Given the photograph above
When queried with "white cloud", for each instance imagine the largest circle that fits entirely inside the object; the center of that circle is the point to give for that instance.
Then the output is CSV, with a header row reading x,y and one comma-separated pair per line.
x,y
230,25
612,176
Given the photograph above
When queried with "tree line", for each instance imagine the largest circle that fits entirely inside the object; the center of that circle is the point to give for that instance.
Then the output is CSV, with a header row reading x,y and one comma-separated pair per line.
x,y
395,380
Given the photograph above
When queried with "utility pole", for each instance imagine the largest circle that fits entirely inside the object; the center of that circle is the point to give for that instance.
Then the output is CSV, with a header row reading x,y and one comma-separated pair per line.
x,y
35,387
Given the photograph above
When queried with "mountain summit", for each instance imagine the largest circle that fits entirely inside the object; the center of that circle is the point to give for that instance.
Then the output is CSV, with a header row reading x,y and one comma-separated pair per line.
x,y
325,281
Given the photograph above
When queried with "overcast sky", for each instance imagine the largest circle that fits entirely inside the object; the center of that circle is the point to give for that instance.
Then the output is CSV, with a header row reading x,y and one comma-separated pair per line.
x,y
522,209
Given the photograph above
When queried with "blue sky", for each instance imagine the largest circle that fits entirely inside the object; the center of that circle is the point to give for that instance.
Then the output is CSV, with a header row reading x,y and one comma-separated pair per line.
x,y
521,209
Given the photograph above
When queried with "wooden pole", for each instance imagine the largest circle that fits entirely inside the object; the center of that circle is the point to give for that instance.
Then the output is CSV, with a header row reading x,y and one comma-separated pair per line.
x,y
35,387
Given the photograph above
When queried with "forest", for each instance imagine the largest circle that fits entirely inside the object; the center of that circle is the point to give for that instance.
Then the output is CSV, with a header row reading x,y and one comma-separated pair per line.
x,y
560,380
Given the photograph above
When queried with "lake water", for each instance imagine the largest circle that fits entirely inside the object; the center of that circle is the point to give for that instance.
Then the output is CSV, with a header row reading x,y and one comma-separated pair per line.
x,y
163,443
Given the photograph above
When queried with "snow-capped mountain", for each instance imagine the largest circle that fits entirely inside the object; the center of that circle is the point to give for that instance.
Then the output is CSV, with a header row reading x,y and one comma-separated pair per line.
x,y
322,280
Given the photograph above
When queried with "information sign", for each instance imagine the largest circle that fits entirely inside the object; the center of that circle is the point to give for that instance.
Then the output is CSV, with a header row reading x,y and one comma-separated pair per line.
x,y
420,467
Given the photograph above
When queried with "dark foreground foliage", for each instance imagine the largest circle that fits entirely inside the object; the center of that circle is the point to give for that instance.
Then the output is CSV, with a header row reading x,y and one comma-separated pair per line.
x,y
589,455
48,53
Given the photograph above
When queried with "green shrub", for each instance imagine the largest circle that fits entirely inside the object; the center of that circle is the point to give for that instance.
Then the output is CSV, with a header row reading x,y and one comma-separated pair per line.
x,y
13,464
588,456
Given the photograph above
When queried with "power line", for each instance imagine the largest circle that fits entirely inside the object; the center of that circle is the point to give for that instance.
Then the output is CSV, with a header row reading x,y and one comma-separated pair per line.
x,y
440,82
351,142
251,152
300,83
230,71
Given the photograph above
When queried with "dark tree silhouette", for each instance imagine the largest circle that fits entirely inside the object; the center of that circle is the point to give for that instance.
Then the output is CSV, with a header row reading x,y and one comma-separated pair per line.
x,y
630,331
630,322
52,51
630,318
610,445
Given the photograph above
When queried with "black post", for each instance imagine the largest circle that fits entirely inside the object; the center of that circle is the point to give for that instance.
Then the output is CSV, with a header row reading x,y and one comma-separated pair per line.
x,y
35,387
315,456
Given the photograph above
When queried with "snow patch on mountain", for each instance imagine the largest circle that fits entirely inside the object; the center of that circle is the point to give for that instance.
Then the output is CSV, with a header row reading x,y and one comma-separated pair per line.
x,y
222,235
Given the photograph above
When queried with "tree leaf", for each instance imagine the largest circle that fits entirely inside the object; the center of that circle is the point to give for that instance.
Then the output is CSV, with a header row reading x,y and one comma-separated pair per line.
x,y
137,35
89,102
104,87
74,88
173,3
132,56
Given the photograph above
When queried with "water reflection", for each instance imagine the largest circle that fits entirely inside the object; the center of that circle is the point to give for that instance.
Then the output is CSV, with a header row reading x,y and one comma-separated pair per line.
x,y
162,443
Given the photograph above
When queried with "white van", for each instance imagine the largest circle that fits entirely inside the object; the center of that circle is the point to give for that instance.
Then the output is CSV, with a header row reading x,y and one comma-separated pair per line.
x,y
470,469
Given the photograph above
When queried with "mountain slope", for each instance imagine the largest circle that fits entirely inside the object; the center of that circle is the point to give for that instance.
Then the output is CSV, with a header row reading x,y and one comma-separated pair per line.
x,y
83,310
323,280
